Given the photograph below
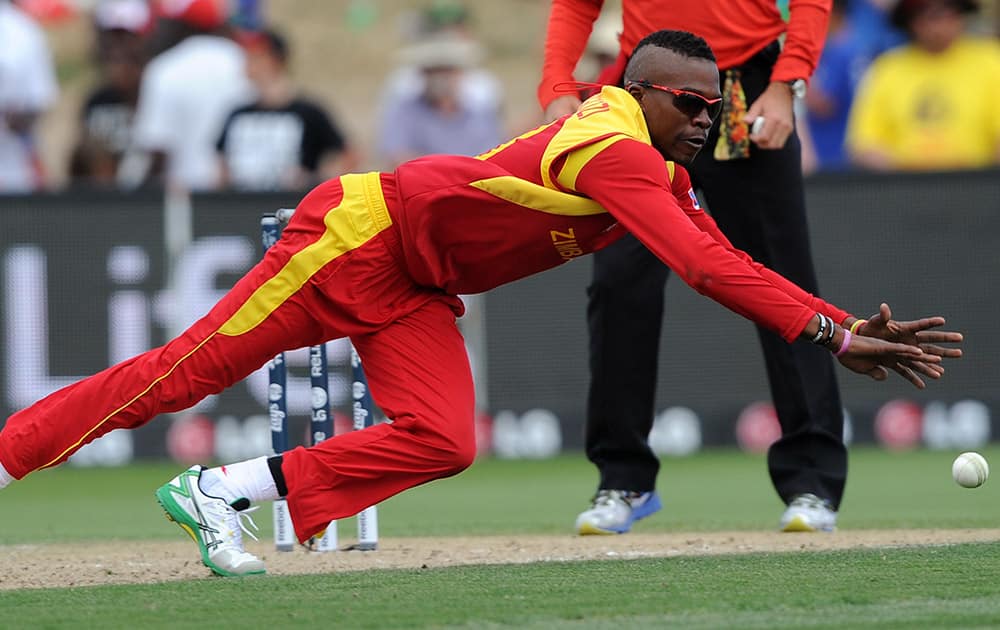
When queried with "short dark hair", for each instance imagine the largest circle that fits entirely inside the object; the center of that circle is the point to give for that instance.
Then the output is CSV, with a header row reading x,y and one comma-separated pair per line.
x,y
681,42
271,41
904,10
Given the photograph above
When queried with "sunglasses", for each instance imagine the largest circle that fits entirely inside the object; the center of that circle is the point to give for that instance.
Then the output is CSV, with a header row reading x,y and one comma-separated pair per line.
x,y
688,103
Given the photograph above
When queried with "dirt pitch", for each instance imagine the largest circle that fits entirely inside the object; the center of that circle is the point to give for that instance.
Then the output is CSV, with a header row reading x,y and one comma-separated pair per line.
x,y
85,564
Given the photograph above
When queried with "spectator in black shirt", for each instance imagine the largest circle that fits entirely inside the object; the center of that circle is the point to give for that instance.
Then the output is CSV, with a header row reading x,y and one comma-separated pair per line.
x,y
282,141
107,115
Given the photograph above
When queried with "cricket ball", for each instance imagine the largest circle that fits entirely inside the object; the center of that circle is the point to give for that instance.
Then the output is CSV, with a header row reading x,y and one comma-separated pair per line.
x,y
970,470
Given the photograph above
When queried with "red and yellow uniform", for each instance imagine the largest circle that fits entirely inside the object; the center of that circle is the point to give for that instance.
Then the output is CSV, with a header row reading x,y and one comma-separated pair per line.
x,y
381,258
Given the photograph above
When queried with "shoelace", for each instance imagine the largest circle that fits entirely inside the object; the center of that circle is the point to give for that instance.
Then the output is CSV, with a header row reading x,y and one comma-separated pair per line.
x,y
234,521
809,501
610,497
245,515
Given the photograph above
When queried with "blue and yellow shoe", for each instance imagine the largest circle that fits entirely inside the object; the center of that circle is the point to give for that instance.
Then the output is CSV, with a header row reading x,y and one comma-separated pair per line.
x,y
211,522
614,511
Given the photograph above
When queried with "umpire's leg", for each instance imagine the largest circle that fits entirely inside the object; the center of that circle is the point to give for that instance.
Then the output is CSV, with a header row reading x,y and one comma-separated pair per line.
x,y
624,315
770,224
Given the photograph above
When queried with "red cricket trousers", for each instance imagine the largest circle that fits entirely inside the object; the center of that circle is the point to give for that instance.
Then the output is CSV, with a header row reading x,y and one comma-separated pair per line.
x,y
336,272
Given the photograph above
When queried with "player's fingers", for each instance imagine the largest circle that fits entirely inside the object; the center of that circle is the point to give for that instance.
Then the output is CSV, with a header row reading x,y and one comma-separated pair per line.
x,y
922,324
927,369
777,135
941,351
905,351
878,373
909,375
939,336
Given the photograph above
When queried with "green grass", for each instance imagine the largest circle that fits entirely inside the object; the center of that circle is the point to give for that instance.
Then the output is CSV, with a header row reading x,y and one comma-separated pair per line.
x,y
933,587
937,587
716,490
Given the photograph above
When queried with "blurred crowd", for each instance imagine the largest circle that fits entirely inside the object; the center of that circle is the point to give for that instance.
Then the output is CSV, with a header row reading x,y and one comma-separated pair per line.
x,y
904,85
198,94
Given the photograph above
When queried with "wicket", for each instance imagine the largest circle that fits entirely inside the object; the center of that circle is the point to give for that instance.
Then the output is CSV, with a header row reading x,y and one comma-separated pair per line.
x,y
321,421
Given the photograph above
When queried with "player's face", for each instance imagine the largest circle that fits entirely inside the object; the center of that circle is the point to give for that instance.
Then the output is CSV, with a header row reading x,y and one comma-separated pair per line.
x,y
679,117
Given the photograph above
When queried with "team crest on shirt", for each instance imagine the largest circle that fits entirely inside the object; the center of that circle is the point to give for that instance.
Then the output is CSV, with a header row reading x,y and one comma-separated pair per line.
x,y
694,199
593,105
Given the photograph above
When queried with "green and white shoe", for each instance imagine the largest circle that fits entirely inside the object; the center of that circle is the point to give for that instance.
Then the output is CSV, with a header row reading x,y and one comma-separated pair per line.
x,y
212,523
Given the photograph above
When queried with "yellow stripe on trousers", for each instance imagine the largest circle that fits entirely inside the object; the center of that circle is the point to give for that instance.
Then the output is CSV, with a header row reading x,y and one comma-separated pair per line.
x,y
360,216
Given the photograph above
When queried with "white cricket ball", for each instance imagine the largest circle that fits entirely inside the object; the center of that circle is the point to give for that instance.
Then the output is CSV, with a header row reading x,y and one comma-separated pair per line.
x,y
970,470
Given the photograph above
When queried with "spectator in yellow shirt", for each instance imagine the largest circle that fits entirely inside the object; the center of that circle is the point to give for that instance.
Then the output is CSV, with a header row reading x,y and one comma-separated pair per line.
x,y
933,103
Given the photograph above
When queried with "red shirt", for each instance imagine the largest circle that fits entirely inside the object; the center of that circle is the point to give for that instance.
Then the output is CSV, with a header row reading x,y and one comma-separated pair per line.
x,y
467,225
735,29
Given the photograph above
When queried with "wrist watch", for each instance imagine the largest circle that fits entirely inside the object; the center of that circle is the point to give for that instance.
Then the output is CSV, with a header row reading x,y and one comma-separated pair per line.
x,y
798,87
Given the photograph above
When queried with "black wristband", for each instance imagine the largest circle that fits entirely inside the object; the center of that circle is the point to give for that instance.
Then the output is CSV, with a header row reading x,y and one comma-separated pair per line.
x,y
833,329
822,328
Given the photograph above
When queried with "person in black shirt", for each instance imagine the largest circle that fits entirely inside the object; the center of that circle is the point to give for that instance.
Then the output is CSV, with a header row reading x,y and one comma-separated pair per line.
x,y
106,117
281,141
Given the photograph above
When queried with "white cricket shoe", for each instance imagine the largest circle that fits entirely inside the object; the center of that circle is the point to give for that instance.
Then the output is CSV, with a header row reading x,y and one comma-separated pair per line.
x,y
211,522
614,511
808,513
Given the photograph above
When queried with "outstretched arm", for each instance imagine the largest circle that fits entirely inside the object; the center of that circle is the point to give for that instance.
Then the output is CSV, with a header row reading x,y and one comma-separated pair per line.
x,y
681,186
631,182
881,325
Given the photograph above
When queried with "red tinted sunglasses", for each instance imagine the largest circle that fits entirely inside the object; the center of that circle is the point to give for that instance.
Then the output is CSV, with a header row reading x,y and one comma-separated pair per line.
x,y
688,103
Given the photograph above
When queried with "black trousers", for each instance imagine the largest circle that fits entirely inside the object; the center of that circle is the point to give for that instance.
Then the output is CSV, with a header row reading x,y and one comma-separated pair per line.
x,y
759,204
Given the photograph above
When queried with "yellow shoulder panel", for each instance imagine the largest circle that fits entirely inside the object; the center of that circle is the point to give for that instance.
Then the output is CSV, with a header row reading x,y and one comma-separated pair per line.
x,y
532,196
611,112
579,158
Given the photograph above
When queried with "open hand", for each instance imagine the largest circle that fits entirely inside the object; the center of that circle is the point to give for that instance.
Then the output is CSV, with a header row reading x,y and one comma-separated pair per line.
x,y
875,357
915,333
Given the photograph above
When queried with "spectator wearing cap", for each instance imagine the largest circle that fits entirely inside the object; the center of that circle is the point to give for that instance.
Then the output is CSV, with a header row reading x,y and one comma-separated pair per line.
x,y
27,88
185,95
106,118
931,104
281,141
442,117
479,89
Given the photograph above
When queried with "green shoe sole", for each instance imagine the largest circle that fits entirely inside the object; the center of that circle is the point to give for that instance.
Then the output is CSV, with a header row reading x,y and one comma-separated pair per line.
x,y
178,515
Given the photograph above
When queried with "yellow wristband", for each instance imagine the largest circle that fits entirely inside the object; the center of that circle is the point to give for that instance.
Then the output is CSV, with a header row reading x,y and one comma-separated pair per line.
x,y
856,326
